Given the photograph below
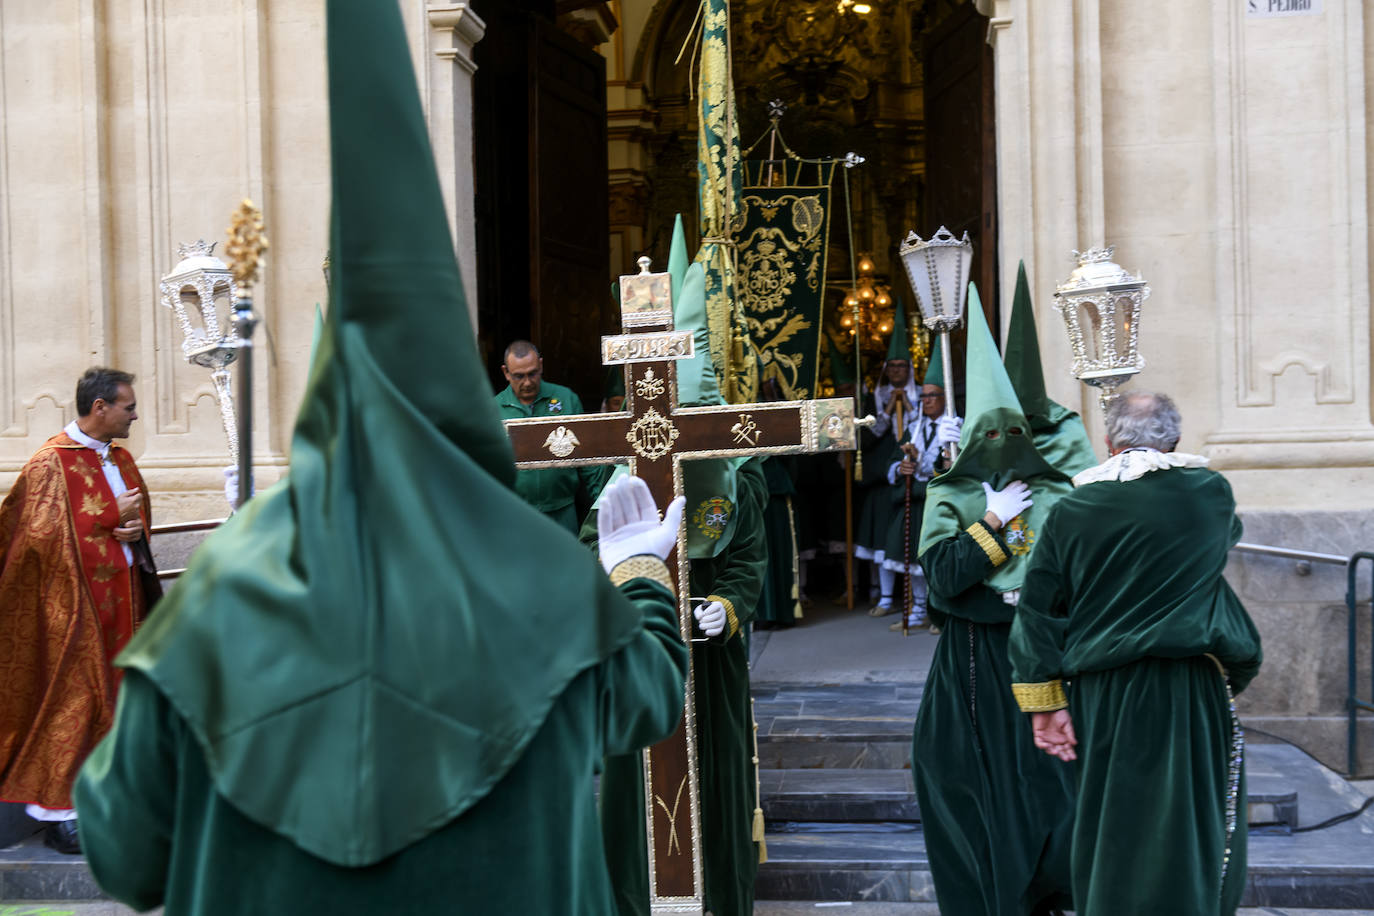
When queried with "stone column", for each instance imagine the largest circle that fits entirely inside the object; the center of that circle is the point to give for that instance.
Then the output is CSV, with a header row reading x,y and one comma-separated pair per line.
x,y
456,29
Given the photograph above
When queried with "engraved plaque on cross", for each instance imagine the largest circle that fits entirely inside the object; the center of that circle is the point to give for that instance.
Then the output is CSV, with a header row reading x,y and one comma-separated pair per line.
x,y
654,436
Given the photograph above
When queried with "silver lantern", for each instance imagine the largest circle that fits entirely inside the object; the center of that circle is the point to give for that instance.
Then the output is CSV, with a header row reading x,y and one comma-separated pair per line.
x,y
201,290
939,271
1100,303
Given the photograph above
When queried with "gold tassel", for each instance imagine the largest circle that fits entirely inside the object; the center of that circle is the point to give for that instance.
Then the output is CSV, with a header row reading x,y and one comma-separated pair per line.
x,y
758,792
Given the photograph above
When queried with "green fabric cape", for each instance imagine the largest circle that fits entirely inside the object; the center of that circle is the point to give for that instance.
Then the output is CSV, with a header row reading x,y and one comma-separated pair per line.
x,y
1058,432
346,649
990,450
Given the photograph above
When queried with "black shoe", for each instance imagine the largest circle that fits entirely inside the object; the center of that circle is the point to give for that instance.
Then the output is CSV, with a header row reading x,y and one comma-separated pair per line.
x,y
62,836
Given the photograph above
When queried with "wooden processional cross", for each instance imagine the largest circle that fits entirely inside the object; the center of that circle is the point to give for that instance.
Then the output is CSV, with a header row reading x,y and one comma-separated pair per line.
x,y
653,435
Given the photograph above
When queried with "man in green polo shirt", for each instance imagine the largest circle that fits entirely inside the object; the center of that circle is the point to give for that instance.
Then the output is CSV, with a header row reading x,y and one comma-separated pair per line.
x,y
552,491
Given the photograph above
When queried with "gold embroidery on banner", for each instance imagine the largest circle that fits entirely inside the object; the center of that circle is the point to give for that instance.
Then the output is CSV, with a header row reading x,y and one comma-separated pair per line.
x,y
746,430
674,844
652,435
562,442
93,504
1044,697
994,550
650,387
641,566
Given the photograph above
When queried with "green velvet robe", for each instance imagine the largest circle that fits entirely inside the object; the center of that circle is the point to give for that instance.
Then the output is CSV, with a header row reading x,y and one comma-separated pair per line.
x,y
996,811
1125,596
779,602
725,735
156,831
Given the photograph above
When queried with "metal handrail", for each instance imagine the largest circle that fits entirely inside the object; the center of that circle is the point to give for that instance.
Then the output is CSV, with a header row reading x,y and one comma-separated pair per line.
x,y
183,527
1290,554
1354,704
208,524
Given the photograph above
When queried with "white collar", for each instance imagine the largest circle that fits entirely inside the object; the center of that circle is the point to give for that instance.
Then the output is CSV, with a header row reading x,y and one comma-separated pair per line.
x,y
79,437
1135,463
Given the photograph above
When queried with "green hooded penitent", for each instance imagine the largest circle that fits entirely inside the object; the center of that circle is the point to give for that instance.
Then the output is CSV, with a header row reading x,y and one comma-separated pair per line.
x,y
1058,432
364,653
995,448
899,347
996,810
935,369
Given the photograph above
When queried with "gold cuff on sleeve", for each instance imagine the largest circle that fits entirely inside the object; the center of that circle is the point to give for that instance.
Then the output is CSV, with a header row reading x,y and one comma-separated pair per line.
x,y
1046,697
983,539
729,613
642,566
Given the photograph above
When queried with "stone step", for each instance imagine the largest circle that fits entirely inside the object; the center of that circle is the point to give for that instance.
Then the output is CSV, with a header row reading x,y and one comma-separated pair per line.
x,y
837,795
845,726
862,795
826,862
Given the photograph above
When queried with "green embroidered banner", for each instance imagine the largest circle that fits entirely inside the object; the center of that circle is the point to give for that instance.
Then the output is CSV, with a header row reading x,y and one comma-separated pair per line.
x,y
782,251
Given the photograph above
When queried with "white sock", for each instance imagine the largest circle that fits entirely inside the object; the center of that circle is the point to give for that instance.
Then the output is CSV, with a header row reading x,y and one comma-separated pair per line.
x,y
887,577
39,813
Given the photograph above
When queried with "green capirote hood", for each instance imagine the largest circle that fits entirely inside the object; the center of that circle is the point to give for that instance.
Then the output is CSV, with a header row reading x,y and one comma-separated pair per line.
x,y
899,345
1058,432
997,448
360,653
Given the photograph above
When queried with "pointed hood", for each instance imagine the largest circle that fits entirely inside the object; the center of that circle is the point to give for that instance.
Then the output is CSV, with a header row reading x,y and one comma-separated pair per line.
x,y
710,484
353,619
997,448
935,370
899,347
1059,432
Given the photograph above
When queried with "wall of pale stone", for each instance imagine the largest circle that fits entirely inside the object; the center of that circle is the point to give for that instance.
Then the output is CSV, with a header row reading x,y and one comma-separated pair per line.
x,y
128,127
1227,158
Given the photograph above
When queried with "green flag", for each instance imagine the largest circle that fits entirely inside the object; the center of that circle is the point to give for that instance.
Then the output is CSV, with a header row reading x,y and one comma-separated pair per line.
x,y
353,651
719,188
782,247
1059,433
996,447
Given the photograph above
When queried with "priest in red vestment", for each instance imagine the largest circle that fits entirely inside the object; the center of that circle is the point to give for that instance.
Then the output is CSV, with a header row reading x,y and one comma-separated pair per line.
x,y
73,545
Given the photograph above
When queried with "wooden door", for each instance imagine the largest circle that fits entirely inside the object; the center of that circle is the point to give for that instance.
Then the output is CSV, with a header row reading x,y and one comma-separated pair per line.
x,y
961,152
543,248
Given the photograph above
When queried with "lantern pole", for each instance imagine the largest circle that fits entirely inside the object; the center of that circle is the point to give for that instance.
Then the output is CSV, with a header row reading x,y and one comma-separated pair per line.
x,y
245,249
191,291
938,269
1106,354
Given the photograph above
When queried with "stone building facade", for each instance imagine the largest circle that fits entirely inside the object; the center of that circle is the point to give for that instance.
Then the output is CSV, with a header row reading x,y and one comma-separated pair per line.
x,y
1223,148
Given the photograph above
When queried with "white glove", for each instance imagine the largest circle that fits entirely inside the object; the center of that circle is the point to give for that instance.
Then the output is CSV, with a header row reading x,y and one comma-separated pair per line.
x,y
948,430
627,523
231,485
711,618
1008,502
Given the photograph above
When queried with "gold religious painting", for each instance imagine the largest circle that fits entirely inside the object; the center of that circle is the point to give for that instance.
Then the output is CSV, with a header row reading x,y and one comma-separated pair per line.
x,y
646,298
828,426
